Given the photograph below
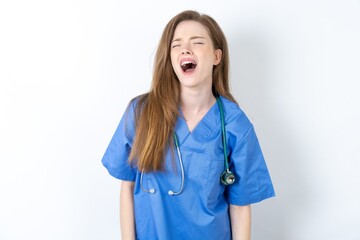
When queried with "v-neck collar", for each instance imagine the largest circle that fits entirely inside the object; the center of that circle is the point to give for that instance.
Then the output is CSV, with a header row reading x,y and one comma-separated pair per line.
x,y
209,123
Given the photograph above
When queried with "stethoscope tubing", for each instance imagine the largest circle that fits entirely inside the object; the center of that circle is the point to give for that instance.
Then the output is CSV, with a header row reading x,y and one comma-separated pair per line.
x,y
222,119
170,192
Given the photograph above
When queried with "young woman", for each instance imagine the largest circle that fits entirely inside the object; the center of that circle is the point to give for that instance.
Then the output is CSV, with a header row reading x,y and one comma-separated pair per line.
x,y
187,155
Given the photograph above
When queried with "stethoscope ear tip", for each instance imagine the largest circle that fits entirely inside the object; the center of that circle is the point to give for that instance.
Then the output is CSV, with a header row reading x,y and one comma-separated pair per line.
x,y
152,190
170,192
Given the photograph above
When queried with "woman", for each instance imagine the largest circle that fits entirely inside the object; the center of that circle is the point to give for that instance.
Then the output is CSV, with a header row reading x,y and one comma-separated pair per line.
x,y
188,157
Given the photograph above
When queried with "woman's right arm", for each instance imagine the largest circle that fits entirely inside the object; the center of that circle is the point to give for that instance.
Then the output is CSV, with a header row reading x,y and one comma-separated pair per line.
x,y
127,219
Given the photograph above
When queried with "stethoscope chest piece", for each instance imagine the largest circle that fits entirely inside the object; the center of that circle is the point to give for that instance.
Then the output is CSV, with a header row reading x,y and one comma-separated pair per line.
x,y
227,177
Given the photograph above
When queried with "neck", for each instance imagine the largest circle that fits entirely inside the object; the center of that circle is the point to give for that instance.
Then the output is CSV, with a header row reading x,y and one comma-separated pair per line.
x,y
196,101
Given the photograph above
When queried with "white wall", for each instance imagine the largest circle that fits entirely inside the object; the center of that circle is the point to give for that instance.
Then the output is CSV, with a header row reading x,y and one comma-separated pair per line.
x,y
68,69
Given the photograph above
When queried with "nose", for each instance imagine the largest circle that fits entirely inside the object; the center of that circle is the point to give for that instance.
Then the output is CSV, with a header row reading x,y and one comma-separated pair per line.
x,y
186,51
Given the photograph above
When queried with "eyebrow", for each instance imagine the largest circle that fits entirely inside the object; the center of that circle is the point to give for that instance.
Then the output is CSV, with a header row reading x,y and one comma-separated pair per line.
x,y
192,38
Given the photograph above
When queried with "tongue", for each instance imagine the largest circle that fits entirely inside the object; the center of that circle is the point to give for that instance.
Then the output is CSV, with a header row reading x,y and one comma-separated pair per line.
x,y
188,67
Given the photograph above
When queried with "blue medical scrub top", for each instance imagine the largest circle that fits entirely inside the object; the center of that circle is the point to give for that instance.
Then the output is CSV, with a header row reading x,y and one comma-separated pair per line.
x,y
201,210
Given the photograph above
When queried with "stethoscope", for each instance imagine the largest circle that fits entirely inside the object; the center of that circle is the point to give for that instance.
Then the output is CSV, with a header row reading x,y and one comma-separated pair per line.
x,y
226,177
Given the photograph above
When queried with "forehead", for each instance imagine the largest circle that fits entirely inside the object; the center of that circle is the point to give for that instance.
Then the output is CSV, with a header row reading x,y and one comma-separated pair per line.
x,y
189,29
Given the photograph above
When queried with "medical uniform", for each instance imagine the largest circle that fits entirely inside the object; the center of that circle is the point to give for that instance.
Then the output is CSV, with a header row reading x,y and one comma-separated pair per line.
x,y
201,210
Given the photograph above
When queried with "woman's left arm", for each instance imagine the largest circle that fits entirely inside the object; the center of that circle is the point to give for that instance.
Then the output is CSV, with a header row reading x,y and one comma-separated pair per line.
x,y
240,217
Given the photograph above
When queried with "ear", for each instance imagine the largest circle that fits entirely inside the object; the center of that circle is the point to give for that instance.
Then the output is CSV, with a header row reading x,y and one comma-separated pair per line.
x,y
217,56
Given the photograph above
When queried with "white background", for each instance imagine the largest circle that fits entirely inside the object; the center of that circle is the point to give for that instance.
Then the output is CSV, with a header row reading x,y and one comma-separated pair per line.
x,y
68,68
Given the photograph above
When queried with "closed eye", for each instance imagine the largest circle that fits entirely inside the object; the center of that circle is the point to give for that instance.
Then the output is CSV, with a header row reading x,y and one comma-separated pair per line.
x,y
174,46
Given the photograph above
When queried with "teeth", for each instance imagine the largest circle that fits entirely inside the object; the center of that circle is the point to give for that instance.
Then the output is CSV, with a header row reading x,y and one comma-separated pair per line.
x,y
186,62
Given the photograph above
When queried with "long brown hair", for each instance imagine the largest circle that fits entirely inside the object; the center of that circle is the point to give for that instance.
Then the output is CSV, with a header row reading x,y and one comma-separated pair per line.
x,y
157,111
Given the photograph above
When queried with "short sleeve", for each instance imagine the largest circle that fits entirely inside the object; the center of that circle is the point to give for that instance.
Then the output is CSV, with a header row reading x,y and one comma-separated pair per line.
x,y
253,183
116,156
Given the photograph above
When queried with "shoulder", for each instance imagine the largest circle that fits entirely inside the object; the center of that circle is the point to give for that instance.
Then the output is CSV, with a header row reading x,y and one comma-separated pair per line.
x,y
132,113
135,105
236,121
233,113
138,101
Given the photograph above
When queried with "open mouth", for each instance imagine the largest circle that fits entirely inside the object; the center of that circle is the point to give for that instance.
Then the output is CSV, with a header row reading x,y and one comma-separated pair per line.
x,y
188,66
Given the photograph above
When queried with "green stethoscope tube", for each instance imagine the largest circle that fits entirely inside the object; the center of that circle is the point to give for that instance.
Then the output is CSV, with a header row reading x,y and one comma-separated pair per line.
x,y
226,177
